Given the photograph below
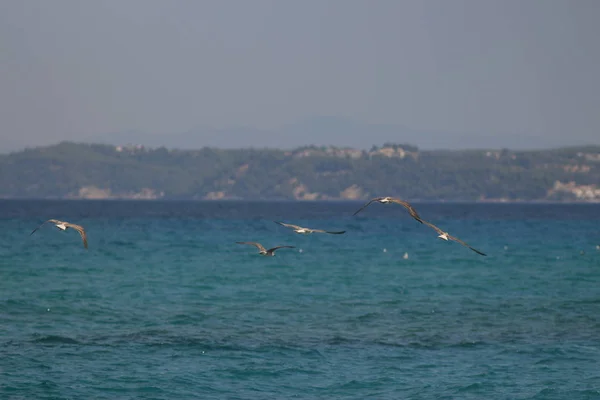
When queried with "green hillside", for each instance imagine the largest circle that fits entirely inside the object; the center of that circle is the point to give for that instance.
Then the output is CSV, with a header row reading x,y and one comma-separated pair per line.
x,y
70,170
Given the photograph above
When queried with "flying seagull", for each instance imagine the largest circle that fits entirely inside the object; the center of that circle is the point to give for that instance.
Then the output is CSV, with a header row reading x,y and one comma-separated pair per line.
x,y
387,200
447,236
63,226
264,252
306,231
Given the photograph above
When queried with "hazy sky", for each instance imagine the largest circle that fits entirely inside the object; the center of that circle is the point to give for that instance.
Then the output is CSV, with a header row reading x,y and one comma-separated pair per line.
x,y
74,70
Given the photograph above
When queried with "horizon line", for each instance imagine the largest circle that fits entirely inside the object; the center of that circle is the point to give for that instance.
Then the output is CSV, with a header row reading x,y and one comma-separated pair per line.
x,y
330,146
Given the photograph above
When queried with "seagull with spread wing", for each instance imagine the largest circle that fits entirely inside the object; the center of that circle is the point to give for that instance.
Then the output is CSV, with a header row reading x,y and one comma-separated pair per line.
x,y
63,226
306,231
264,252
446,236
388,200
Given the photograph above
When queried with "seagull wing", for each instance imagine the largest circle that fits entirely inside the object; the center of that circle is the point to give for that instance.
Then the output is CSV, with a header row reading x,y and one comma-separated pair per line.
x,y
330,232
465,244
367,205
280,247
410,208
81,231
288,225
441,232
54,221
438,230
259,246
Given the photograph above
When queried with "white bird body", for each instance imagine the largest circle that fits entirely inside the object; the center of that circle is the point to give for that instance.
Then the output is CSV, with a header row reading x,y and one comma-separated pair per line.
x,y
444,236
61,226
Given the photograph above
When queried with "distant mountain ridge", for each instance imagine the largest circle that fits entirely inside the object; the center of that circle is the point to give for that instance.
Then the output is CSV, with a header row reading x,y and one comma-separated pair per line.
x,y
319,131
325,131
75,170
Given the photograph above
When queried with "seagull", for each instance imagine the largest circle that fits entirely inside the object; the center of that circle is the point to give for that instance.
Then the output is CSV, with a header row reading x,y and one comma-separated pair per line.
x,y
387,200
63,226
264,252
447,236
307,231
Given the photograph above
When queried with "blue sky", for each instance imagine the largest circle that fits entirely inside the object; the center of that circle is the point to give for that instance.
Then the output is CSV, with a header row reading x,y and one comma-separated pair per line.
x,y
435,73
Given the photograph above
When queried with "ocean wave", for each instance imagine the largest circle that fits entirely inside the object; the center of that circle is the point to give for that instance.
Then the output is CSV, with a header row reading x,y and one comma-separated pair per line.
x,y
55,339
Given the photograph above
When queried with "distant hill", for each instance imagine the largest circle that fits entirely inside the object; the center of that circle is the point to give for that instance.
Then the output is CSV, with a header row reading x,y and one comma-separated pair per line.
x,y
316,130
71,170
324,131
320,131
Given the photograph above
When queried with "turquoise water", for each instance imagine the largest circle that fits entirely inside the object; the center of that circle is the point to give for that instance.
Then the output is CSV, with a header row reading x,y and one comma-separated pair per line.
x,y
164,305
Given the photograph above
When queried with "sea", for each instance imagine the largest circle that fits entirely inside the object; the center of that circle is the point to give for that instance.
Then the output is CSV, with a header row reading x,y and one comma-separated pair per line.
x,y
165,305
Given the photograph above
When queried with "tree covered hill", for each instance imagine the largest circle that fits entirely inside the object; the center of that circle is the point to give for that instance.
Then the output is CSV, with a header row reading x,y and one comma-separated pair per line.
x,y
72,170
